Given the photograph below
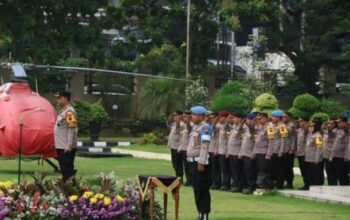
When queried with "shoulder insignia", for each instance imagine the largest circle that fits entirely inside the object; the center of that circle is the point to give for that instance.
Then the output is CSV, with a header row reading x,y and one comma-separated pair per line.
x,y
283,131
319,141
71,120
270,132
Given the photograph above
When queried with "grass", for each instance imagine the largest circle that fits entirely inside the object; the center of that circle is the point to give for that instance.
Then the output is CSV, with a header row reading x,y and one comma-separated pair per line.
x,y
131,139
225,205
148,147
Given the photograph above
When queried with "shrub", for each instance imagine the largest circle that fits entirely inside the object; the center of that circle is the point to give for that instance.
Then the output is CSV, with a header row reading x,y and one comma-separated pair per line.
x,y
296,113
140,126
265,102
197,93
333,108
323,116
158,137
234,103
98,113
84,115
307,103
232,88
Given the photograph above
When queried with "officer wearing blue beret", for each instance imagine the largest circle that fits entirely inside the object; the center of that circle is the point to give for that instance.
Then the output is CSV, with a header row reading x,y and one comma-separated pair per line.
x,y
198,158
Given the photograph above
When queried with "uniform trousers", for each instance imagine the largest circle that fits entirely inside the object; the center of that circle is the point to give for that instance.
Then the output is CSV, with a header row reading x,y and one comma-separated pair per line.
x,y
250,172
341,171
315,173
237,171
225,171
176,160
264,179
289,174
66,163
278,170
215,169
201,182
303,170
331,172
185,165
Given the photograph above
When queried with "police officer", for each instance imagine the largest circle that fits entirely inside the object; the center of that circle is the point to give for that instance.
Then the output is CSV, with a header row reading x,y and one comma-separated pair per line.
x,y
338,152
277,132
302,133
233,148
213,154
289,150
198,158
329,134
185,130
263,161
65,135
223,128
173,143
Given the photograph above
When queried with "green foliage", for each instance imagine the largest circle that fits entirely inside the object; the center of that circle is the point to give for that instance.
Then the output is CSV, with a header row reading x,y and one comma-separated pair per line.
x,y
234,103
333,108
98,113
74,61
320,115
265,102
293,87
307,104
83,110
161,97
232,88
140,126
196,93
164,60
296,113
157,137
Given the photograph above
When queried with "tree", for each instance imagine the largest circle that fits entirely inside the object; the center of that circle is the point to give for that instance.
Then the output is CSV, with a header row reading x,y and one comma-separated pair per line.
x,y
161,97
311,33
305,105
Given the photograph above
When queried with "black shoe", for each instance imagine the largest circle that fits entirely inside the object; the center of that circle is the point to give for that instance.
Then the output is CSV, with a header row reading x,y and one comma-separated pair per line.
x,y
236,189
247,191
204,216
289,186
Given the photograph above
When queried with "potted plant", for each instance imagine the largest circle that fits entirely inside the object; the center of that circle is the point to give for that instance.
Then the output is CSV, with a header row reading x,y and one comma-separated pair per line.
x,y
98,117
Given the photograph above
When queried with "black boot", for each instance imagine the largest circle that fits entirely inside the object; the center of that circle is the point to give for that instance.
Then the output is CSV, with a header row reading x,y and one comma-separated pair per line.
x,y
204,216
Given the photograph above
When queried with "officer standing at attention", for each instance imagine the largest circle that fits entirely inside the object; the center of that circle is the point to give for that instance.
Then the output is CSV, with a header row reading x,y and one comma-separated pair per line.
x,y
65,135
185,130
329,133
198,158
289,150
213,154
302,133
173,143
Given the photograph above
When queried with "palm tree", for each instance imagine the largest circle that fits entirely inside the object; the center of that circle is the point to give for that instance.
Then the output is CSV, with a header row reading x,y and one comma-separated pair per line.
x,y
161,96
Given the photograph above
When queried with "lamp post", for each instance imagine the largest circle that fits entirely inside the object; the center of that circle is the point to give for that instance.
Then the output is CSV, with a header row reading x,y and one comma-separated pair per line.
x,y
188,38
115,108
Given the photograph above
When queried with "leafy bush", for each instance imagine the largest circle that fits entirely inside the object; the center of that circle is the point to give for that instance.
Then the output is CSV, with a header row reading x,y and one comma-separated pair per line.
x,y
265,102
158,137
296,113
232,88
140,126
196,93
305,105
234,103
321,115
333,108
98,112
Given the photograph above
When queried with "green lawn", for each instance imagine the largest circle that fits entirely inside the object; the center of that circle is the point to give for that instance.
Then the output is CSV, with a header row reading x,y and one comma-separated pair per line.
x,y
132,139
225,205
148,147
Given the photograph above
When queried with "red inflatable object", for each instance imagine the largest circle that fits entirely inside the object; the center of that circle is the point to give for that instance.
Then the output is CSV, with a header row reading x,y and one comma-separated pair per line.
x,y
19,104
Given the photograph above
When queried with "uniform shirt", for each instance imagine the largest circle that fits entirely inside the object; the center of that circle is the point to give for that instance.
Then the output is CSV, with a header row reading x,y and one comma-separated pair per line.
x,y
222,138
313,152
347,150
301,135
213,145
198,144
276,144
66,132
174,136
247,143
184,136
235,140
338,149
328,141
261,140
290,139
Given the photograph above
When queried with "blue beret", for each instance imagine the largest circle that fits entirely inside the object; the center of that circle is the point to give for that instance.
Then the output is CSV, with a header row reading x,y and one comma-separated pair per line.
x,y
250,116
277,113
198,110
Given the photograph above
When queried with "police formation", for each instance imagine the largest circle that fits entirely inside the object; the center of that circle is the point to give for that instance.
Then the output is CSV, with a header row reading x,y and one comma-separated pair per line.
x,y
255,153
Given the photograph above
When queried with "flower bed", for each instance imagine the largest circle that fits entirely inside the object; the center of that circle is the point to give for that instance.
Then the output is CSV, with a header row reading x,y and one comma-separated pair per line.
x,y
101,198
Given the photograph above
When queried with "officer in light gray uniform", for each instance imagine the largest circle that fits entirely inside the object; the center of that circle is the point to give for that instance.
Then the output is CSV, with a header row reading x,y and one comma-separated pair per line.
x,y
233,148
289,150
329,134
223,128
213,154
185,129
338,152
65,135
302,133
198,158
174,142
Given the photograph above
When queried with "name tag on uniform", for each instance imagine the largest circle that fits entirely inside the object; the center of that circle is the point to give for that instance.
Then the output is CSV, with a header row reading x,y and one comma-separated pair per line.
x,y
205,137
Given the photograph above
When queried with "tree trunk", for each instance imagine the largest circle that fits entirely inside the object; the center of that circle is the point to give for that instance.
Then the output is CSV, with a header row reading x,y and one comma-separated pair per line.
x,y
308,74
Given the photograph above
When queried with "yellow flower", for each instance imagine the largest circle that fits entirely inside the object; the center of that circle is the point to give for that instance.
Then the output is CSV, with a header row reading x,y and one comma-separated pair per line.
x,y
93,200
87,194
121,199
73,198
99,196
6,184
107,201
